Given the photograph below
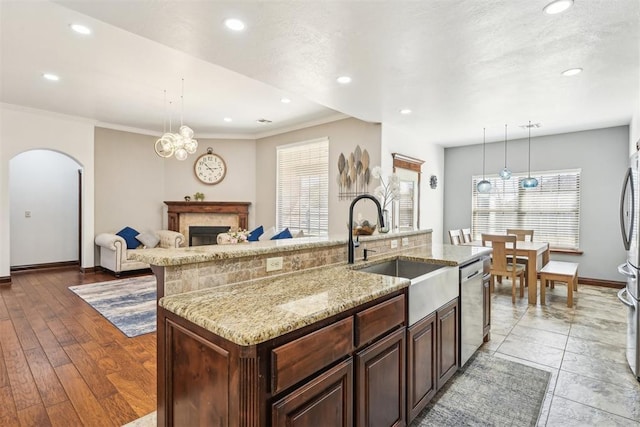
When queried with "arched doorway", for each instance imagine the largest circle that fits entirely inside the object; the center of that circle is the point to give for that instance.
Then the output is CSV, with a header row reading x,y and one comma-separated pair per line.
x,y
44,199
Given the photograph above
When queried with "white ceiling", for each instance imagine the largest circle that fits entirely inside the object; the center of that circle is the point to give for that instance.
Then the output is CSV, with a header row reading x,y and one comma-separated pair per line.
x,y
460,65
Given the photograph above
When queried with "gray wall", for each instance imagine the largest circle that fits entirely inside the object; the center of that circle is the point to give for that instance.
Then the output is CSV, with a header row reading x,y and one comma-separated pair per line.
x,y
601,154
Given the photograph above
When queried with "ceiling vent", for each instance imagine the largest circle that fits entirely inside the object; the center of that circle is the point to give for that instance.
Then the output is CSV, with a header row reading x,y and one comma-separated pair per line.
x,y
264,121
532,125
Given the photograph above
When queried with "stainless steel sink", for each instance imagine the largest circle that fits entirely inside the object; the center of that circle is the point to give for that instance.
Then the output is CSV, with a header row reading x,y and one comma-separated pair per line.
x,y
432,285
402,268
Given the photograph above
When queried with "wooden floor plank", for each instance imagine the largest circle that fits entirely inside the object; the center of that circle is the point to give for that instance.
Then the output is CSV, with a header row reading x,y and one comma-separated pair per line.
x,y
4,313
91,373
103,359
134,395
24,390
86,405
51,391
8,413
34,415
4,375
63,415
120,410
79,333
28,339
48,342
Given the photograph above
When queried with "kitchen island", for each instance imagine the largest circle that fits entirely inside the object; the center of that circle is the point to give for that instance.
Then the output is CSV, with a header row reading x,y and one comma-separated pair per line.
x,y
325,343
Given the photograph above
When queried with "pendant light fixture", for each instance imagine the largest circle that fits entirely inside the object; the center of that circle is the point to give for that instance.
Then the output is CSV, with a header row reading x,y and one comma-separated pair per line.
x,y
180,144
529,182
483,186
505,173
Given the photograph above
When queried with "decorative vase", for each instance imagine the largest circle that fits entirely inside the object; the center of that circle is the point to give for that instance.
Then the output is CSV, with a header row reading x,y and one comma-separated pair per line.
x,y
387,222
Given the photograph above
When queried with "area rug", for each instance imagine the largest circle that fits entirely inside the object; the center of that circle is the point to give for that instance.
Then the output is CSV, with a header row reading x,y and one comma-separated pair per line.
x,y
129,304
488,391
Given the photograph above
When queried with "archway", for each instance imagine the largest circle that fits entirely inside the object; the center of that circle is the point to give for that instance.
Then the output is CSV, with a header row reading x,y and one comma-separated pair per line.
x,y
44,200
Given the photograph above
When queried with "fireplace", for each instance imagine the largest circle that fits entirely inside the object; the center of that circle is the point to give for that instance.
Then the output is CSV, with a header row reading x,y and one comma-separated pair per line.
x,y
200,235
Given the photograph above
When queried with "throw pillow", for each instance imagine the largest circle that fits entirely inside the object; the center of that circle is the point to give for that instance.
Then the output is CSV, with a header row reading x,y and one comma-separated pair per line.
x,y
300,234
284,234
255,234
129,236
268,234
149,240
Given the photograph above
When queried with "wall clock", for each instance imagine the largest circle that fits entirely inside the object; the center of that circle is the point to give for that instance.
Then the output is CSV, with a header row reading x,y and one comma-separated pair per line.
x,y
210,168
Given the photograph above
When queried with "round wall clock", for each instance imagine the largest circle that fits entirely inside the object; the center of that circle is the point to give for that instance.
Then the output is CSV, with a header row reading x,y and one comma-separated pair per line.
x,y
210,168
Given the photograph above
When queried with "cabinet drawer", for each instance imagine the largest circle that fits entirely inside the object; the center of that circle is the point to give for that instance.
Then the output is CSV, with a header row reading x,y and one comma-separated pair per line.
x,y
298,359
377,320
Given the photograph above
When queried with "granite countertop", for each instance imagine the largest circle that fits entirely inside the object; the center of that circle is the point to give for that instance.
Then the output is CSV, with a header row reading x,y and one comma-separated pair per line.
x,y
249,313
195,254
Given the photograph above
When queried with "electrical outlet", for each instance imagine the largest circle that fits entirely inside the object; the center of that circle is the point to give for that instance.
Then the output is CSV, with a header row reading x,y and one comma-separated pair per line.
x,y
394,244
405,241
27,214
274,264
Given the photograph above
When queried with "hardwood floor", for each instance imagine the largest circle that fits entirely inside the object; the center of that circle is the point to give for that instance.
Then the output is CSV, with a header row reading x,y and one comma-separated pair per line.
x,y
62,363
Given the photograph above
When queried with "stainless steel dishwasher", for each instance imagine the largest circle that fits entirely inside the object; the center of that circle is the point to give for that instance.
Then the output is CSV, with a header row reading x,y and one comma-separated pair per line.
x,y
472,306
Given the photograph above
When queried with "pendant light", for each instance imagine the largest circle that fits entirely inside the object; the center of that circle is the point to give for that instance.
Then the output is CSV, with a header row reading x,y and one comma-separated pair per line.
x,y
506,172
529,182
483,186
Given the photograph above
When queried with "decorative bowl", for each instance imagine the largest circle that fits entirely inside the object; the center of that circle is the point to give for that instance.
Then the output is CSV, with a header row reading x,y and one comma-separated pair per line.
x,y
364,230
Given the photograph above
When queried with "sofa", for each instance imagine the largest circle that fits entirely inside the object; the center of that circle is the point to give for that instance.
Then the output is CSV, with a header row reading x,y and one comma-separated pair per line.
x,y
114,255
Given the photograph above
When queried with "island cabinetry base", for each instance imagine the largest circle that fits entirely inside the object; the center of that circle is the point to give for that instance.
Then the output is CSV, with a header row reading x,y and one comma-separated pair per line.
x,y
314,374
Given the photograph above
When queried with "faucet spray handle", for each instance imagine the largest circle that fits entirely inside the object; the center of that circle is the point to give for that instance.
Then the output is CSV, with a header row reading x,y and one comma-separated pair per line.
x,y
357,242
366,252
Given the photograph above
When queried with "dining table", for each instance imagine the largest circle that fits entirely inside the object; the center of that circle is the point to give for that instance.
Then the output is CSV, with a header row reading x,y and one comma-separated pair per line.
x,y
530,250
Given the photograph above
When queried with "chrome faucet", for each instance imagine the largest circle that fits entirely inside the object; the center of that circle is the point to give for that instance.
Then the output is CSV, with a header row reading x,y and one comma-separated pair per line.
x,y
352,245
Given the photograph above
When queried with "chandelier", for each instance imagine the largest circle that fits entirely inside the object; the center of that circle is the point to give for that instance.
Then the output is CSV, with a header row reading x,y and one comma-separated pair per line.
x,y
180,144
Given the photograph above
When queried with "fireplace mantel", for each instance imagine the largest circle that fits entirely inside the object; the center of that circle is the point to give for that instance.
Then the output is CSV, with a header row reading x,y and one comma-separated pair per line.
x,y
179,209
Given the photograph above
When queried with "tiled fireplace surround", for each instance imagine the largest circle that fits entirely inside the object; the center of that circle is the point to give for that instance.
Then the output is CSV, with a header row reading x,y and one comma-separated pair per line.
x,y
210,274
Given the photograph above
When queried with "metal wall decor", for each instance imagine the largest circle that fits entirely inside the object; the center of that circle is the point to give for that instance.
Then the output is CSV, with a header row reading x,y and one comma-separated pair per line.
x,y
354,174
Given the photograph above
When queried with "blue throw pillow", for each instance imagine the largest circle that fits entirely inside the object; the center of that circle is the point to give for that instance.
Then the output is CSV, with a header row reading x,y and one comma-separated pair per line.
x,y
129,236
253,235
284,234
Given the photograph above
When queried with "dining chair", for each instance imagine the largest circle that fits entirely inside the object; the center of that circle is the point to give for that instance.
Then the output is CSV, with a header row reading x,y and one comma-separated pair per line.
x,y
521,234
503,262
455,236
466,235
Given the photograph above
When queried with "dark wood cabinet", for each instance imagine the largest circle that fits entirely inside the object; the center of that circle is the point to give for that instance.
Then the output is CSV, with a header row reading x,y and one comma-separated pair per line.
x,y
345,370
447,318
380,379
327,398
421,365
486,309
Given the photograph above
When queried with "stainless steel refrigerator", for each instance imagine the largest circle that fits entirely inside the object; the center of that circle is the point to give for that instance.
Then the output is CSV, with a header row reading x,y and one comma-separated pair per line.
x,y
630,226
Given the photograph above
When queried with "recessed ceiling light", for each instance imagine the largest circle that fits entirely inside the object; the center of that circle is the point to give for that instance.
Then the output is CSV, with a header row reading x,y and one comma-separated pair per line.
x,y
571,72
52,77
343,80
228,119
285,100
557,6
234,24
405,111
80,29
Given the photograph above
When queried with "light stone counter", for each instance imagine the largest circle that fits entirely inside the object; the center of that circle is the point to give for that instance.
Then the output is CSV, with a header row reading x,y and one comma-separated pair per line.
x,y
254,312
198,254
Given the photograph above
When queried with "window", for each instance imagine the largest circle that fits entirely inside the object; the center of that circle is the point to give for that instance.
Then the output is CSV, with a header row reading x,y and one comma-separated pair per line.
x,y
552,209
302,201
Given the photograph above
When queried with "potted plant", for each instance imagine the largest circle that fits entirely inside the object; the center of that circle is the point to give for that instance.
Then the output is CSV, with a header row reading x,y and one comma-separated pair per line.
x,y
199,196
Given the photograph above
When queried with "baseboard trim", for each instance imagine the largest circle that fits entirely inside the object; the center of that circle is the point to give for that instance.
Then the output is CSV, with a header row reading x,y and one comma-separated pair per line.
x,y
46,266
5,281
600,282
88,270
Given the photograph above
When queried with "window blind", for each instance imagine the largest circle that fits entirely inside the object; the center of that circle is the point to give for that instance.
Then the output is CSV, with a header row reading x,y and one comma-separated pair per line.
x,y
552,209
302,200
406,204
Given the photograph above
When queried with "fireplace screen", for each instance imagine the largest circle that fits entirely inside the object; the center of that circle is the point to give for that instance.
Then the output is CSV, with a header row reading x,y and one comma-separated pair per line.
x,y
205,235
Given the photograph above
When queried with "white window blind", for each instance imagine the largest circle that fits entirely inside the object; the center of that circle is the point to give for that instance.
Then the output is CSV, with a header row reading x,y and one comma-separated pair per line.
x,y
406,204
552,209
303,187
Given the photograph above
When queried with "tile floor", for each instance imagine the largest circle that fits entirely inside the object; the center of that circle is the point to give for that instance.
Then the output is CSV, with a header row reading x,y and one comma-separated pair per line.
x,y
583,347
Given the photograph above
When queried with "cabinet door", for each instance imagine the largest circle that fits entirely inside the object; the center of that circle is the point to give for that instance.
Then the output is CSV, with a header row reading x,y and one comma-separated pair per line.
x,y
421,365
380,382
327,399
486,300
447,349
